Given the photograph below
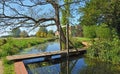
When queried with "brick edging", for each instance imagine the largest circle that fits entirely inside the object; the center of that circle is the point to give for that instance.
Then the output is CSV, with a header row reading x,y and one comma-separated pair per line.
x,y
20,67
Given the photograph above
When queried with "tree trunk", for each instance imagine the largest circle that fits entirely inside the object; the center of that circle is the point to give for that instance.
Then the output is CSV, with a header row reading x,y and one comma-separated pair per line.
x,y
57,21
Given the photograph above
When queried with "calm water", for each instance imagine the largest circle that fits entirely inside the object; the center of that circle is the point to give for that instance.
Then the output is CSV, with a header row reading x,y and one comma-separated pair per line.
x,y
73,65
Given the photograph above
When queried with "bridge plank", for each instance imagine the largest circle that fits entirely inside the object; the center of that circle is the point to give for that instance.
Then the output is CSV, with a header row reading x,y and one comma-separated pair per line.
x,y
43,54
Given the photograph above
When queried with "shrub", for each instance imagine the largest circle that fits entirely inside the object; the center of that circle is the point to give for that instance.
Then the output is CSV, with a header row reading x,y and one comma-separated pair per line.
x,y
103,32
89,31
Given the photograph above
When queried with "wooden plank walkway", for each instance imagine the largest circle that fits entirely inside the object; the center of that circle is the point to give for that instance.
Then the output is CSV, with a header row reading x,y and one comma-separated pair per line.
x,y
43,54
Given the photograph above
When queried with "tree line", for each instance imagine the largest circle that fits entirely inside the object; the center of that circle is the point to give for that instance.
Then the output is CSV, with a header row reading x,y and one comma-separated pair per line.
x,y
42,32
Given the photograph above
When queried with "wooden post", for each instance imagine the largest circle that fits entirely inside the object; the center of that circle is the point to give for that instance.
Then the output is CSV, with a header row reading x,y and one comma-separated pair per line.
x,y
68,65
67,39
60,37
67,46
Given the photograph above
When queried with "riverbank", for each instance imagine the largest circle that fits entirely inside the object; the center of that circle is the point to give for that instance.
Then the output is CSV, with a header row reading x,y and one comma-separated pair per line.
x,y
11,46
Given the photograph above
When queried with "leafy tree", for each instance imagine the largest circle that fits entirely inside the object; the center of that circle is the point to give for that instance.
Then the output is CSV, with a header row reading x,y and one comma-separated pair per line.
x,y
96,12
89,31
16,32
43,29
103,31
23,34
50,33
42,32
65,15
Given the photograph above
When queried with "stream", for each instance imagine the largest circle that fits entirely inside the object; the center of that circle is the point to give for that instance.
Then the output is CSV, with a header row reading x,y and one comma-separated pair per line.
x,y
78,64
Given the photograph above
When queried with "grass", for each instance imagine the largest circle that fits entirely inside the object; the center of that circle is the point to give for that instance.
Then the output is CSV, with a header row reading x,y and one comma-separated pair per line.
x,y
83,39
11,46
8,67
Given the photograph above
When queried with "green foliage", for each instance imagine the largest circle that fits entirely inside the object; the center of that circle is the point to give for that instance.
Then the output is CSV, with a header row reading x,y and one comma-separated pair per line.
x,y
77,42
104,32
43,29
66,13
42,32
89,31
106,50
2,42
8,66
101,11
50,33
83,39
13,46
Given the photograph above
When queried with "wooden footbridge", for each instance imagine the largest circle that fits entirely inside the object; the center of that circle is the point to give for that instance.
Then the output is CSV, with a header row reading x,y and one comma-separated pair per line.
x,y
44,54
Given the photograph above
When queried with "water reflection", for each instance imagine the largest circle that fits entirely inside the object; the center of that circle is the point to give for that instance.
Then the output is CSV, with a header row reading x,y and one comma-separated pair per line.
x,y
57,66
98,67
46,47
73,65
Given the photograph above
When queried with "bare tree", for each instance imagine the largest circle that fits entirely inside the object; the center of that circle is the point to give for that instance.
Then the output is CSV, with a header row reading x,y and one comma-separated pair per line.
x,y
28,13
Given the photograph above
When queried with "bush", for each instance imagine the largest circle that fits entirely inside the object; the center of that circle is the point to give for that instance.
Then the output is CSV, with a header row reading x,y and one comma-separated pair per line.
x,y
105,50
103,32
89,31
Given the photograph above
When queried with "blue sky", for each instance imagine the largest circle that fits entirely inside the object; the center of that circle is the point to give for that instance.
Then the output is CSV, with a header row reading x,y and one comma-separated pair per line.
x,y
48,9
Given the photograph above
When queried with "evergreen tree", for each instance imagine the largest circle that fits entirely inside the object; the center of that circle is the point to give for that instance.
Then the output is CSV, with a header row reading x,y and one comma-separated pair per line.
x,y
23,34
16,32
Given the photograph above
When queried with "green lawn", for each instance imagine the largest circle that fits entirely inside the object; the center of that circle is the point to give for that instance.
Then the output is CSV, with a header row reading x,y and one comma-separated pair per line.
x,y
82,39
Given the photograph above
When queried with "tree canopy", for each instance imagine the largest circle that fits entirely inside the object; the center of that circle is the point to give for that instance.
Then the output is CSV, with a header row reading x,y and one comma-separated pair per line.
x,y
96,12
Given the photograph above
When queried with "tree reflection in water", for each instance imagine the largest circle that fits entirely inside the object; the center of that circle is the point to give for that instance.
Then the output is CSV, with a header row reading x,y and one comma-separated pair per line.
x,y
74,65
56,66
98,67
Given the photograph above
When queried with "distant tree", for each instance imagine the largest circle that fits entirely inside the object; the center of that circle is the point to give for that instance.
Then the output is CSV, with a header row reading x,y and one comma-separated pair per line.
x,y
50,33
16,32
23,34
42,32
